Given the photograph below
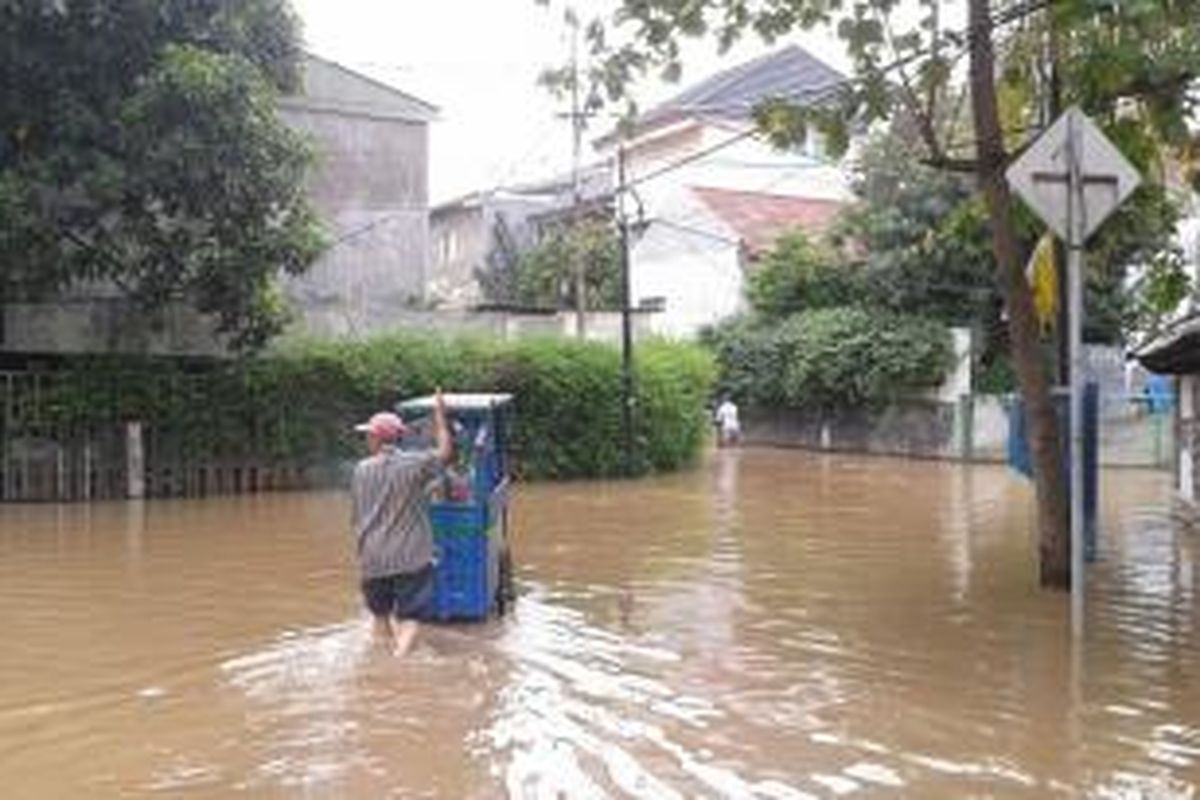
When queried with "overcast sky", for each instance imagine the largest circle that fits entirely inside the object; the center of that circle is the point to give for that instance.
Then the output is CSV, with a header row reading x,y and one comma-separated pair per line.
x,y
478,61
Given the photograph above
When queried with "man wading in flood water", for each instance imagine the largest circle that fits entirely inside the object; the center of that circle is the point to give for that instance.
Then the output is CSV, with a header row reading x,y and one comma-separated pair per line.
x,y
391,524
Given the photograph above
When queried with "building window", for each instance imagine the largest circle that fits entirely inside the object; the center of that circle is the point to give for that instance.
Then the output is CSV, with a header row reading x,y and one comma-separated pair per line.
x,y
448,246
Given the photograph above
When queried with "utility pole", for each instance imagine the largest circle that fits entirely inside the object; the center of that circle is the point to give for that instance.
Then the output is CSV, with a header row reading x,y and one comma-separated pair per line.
x,y
578,265
1054,101
626,321
1074,337
1073,177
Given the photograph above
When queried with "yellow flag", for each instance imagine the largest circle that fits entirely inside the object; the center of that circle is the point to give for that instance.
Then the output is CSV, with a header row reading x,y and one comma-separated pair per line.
x,y
1043,280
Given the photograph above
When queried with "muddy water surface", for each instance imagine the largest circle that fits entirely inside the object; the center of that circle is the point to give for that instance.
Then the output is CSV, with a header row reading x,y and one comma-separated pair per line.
x,y
773,625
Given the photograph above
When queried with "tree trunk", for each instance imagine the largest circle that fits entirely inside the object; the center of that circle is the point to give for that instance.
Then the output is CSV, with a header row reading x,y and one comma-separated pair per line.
x,y
1049,477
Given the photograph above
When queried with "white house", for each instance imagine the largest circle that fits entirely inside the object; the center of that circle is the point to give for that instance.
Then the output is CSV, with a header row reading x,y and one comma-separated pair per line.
x,y
713,195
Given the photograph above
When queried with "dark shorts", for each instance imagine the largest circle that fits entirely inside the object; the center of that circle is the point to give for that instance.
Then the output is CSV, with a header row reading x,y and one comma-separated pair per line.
x,y
407,595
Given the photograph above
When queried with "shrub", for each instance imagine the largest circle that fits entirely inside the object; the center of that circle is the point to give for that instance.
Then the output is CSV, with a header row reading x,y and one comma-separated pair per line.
x,y
299,403
674,382
568,407
797,275
831,358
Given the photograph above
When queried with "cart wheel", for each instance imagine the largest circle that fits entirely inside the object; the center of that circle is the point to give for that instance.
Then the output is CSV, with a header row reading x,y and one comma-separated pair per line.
x,y
506,592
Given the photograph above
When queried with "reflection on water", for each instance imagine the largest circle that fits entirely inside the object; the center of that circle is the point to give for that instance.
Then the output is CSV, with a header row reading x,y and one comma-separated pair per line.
x,y
774,625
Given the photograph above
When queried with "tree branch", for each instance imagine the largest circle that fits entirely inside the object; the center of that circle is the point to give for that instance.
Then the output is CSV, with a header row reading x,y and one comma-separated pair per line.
x,y
947,164
923,119
935,54
1168,86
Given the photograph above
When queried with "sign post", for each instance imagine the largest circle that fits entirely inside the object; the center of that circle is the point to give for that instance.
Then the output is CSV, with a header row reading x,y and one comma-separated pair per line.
x,y
1073,177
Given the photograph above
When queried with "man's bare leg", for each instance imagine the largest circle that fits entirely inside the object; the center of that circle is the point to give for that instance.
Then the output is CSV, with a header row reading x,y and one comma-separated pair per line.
x,y
406,633
385,635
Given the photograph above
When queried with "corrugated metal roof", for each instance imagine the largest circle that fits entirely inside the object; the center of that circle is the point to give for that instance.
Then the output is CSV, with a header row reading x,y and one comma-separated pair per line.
x,y
1176,351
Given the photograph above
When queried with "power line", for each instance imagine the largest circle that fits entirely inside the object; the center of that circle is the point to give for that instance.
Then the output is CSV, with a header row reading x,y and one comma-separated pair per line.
x,y
578,121
539,142
686,228
688,159
1016,12
944,286
825,92
702,213
362,230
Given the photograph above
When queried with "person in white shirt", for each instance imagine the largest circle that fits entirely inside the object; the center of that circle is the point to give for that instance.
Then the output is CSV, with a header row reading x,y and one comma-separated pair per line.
x,y
729,428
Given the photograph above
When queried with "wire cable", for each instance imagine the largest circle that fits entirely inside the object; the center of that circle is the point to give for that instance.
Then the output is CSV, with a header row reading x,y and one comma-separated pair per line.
x,y
827,91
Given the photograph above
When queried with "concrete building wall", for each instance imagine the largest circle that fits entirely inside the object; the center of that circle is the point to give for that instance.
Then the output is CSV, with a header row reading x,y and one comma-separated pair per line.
x,y
463,237
330,86
693,264
753,165
460,239
602,326
105,325
976,429
370,186
918,429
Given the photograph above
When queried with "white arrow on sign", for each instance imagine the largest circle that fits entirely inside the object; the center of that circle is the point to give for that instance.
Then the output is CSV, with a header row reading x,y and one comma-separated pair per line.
x,y
1042,176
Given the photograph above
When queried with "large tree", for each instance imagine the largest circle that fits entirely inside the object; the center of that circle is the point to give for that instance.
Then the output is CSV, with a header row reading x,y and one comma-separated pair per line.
x,y
140,148
919,234
1132,65
920,239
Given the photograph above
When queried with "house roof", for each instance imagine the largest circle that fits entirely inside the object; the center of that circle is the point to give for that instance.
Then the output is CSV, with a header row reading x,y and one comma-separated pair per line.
x,y
595,186
457,402
1176,351
759,219
790,73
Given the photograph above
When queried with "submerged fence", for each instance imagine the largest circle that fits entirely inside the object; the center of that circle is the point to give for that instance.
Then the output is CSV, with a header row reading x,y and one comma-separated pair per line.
x,y
1132,431
52,453
60,441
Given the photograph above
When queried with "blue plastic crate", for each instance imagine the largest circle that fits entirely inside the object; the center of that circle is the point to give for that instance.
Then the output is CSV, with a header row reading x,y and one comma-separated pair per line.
x,y
467,568
458,517
463,588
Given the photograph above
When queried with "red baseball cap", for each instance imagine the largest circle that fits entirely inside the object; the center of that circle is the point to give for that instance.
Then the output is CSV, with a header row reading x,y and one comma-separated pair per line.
x,y
384,425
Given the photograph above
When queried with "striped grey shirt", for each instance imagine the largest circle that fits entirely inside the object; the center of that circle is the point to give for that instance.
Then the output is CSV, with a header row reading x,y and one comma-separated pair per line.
x,y
391,511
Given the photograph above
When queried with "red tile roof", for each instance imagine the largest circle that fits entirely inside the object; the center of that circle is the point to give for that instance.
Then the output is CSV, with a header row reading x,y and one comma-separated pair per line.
x,y
759,218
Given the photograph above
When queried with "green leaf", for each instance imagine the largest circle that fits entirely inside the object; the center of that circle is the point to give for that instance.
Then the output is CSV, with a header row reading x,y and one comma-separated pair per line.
x,y
161,164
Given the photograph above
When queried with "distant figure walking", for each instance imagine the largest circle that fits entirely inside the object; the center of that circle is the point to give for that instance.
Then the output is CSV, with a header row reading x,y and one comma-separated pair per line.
x,y
729,428
391,524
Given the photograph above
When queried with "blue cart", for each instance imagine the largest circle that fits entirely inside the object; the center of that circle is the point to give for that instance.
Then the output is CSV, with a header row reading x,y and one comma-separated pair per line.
x,y
469,510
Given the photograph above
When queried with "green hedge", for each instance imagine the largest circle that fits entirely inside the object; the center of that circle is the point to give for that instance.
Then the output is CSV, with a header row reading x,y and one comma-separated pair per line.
x,y
298,405
831,358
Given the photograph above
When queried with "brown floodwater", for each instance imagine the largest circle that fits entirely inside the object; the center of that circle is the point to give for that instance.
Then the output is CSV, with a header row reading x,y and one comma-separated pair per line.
x,y
772,625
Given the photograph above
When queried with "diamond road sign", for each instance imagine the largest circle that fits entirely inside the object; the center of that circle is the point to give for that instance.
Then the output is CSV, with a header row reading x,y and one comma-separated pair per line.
x,y
1042,176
